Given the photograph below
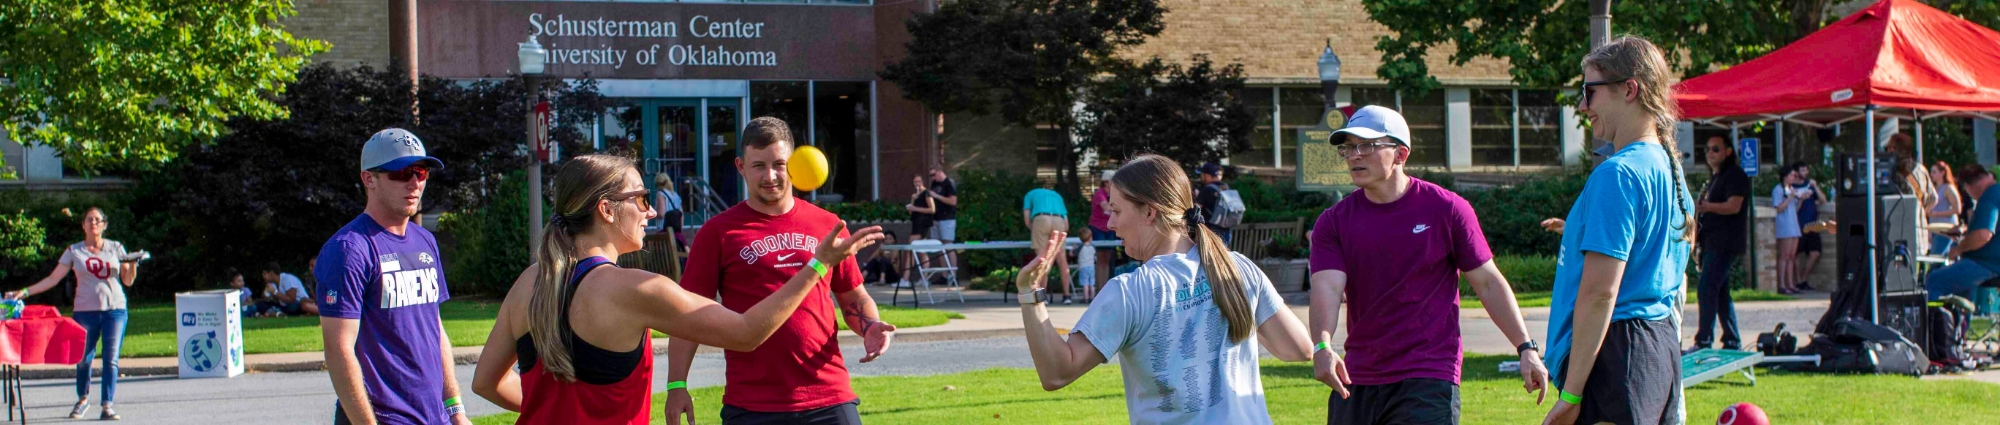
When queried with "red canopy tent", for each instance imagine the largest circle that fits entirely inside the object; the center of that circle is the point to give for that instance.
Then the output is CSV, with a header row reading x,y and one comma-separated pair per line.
x,y
1900,56
1897,58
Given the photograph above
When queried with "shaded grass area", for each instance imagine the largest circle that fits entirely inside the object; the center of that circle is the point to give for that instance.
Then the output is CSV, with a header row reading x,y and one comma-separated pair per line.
x,y
1293,397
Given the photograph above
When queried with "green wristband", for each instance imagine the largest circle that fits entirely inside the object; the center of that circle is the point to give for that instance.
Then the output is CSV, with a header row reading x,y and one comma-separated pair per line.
x,y
449,402
1569,398
1322,345
817,266
677,385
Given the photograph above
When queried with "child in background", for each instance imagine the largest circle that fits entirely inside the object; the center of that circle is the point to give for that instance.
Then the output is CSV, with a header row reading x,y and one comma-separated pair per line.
x,y
1086,272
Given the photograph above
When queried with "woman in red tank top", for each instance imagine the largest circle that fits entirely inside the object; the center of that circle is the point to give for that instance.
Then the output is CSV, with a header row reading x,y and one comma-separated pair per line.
x,y
581,333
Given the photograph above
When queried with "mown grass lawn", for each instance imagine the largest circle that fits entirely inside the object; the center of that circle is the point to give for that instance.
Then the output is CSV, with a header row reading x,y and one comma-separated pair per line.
x,y
1541,299
1489,397
150,331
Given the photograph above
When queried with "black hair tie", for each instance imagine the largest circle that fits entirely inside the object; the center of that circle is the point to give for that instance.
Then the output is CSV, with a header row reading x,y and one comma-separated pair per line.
x,y
557,221
1193,218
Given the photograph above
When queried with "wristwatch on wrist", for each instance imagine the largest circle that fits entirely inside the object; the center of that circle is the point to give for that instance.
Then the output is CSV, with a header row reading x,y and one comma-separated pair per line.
x,y
1040,295
1525,346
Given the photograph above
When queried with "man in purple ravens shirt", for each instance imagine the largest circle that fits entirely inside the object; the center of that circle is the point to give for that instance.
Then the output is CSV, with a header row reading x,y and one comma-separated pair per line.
x,y
380,283
1394,250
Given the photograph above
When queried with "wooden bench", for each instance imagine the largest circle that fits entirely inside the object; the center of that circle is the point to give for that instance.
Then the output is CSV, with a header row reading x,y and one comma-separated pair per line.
x,y
1249,239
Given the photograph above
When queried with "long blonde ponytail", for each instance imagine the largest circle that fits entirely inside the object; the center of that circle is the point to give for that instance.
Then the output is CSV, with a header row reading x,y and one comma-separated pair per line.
x,y
1158,183
583,182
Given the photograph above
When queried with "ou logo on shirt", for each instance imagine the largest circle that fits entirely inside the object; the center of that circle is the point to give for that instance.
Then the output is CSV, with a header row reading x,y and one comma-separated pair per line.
x,y
96,267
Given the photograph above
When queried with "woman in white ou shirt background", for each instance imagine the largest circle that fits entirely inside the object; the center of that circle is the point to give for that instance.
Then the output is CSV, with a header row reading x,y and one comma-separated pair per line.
x,y
103,269
1187,347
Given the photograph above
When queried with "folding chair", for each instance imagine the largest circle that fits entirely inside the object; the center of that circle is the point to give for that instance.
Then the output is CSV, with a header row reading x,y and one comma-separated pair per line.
x,y
927,269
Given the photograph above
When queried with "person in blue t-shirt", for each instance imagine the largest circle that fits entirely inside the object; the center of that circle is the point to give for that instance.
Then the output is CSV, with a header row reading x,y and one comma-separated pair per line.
x,y
1977,260
378,298
1044,212
1613,337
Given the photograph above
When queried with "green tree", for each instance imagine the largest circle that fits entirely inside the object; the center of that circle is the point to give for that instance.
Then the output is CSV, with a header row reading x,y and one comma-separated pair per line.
x,y
124,84
1543,39
1027,60
1167,109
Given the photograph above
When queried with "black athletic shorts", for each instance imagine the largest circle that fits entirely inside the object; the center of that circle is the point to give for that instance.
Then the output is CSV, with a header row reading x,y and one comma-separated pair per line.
x,y
1409,401
1636,372
848,413
1809,243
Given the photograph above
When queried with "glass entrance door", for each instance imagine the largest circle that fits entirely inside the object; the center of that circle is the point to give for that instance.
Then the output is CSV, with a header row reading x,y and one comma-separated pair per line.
x,y
692,142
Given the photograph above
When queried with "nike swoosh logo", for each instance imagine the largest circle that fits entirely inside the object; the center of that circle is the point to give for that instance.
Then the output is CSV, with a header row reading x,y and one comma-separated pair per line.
x,y
1419,229
783,257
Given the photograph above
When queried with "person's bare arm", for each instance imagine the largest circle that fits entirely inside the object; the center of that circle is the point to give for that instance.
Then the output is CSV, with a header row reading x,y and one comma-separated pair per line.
x,y
128,273
1328,287
1498,298
338,335
857,308
661,304
494,378
61,271
450,372
1596,298
1972,241
1285,337
947,200
1058,361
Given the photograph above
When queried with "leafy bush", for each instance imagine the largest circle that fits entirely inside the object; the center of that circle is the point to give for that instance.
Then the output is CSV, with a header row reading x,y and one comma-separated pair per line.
x,y
1285,246
486,248
884,210
1525,273
22,242
1511,217
1267,203
989,209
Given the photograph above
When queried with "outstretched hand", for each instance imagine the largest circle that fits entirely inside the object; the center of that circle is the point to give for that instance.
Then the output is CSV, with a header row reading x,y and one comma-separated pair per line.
x,y
832,249
1035,274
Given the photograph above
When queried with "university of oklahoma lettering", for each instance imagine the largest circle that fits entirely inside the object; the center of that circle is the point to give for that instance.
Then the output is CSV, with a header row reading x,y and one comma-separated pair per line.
x,y
700,26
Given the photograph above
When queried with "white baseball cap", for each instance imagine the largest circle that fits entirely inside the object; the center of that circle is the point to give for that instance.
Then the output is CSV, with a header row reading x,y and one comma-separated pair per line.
x,y
394,149
1374,122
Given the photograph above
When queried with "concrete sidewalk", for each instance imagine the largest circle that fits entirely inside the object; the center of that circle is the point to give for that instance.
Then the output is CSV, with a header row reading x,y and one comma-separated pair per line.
x,y
986,316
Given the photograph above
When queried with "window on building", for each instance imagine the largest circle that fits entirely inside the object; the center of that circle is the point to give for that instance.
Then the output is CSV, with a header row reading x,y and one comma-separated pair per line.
x,y
1258,101
12,156
1541,127
1431,143
785,100
1298,107
1493,127
843,129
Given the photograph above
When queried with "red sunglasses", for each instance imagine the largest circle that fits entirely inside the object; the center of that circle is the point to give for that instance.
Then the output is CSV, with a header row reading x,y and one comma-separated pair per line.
x,y
420,173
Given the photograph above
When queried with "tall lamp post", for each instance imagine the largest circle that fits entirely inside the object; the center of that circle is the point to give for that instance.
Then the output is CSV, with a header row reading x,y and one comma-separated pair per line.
x,y
532,57
1329,74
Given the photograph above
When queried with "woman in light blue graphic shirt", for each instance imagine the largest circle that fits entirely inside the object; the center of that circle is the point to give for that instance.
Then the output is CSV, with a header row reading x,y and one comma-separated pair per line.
x,y
1187,347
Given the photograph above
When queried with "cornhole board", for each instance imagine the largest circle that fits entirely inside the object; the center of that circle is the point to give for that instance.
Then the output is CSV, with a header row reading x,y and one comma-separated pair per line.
x,y
1709,364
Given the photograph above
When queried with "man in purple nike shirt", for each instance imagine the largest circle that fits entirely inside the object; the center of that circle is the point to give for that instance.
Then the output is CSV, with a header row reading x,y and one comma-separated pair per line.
x,y
1394,250
378,297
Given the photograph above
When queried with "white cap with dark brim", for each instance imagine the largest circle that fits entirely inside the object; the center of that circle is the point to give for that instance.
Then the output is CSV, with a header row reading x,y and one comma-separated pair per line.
x,y
1374,122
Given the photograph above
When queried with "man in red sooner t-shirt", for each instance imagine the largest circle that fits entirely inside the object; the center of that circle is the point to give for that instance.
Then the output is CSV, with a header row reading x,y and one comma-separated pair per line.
x,y
744,255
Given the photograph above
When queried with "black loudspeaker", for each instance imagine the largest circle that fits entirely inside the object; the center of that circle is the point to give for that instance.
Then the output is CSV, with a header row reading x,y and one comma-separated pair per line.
x,y
1905,312
1850,167
1898,238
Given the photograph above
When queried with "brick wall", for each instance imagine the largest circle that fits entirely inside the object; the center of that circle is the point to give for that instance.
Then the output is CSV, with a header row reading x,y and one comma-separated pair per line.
x,y
357,30
1280,41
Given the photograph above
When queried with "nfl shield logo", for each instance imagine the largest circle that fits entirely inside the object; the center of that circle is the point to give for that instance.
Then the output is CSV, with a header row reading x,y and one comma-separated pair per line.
x,y
332,296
